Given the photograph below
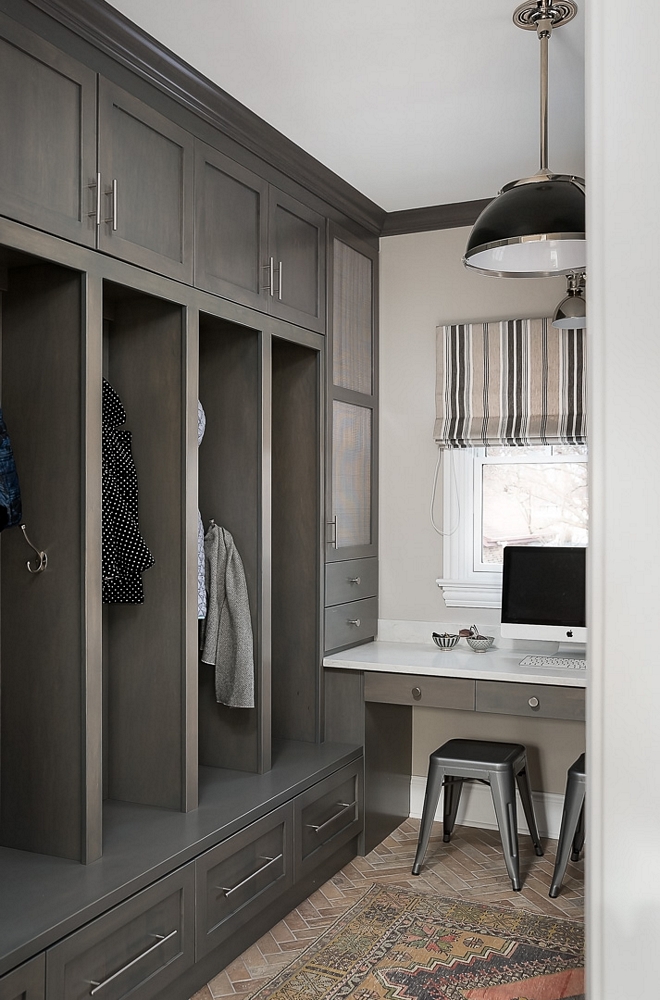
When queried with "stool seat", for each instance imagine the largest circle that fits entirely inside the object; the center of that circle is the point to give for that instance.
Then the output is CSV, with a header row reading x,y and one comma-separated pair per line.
x,y
571,834
500,765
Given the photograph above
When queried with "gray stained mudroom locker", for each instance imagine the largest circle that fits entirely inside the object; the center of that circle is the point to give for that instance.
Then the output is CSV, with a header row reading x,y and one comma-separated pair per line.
x,y
155,233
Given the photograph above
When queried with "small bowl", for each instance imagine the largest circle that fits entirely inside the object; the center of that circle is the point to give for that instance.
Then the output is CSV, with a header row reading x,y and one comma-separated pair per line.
x,y
445,641
480,643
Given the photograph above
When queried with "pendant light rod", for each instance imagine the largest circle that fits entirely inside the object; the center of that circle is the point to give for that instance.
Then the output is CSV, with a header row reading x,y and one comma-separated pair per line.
x,y
544,39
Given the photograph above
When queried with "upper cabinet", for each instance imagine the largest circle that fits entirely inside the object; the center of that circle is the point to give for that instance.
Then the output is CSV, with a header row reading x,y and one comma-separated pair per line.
x,y
255,244
48,128
145,185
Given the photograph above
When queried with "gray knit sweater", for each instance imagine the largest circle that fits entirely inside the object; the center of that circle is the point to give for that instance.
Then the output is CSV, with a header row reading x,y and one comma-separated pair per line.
x,y
228,637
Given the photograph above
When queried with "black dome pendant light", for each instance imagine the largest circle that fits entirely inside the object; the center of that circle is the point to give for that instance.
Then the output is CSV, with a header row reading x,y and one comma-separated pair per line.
x,y
535,227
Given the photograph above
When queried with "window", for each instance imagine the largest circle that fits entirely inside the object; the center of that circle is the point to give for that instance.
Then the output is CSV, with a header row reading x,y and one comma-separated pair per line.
x,y
500,496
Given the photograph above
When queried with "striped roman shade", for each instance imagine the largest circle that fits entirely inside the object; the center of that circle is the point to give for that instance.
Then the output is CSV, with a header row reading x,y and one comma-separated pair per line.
x,y
512,382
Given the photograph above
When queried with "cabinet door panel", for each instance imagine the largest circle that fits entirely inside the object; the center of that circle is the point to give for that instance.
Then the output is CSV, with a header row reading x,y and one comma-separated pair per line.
x,y
297,245
48,124
146,177
352,318
231,229
351,484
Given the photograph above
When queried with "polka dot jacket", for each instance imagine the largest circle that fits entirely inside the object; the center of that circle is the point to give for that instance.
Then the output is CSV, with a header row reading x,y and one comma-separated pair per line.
x,y
125,555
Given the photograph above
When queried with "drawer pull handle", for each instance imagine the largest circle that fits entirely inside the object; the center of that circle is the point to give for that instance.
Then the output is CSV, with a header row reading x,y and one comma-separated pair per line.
x,y
416,693
356,579
533,703
345,807
162,938
269,862
354,621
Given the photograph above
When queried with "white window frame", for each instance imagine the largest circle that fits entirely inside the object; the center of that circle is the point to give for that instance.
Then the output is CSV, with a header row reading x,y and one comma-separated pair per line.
x,y
468,582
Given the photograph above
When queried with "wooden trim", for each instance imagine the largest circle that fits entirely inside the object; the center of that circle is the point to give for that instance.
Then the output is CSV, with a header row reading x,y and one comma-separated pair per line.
x,y
422,220
108,30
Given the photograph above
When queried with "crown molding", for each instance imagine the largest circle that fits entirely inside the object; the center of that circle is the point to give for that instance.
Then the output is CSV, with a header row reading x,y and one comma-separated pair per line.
x,y
421,220
110,31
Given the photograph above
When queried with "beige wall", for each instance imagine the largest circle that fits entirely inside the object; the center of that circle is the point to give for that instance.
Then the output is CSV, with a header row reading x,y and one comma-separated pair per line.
x,y
423,284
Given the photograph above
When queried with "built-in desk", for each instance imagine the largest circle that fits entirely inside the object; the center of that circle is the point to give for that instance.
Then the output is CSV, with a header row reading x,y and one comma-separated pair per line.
x,y
371,690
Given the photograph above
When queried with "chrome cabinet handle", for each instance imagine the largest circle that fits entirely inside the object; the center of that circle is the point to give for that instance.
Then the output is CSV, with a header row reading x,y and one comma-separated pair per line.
x,y
354,621
113,216
356,579
416,693
269,862
96,214
345,806
533,703
162,938
270,267
279,281
333,524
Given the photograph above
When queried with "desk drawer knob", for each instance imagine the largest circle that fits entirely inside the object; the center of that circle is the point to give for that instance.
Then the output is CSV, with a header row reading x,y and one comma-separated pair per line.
x,y
417,693
533,703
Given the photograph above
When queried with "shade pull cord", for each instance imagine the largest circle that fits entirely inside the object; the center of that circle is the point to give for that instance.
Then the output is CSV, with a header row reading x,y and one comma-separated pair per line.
x,y
452,469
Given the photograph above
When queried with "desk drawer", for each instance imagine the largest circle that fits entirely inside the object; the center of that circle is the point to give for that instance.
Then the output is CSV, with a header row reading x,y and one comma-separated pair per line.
x,y
134,950
352,580
541,700
242,875
327,816
410,689
348,624
28,982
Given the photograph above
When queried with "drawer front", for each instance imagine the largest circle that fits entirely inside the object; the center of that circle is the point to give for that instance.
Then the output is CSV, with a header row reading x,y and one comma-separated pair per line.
x,y
238,878
541,700
134,950
352,580
28,982
410,689
347,624
327,815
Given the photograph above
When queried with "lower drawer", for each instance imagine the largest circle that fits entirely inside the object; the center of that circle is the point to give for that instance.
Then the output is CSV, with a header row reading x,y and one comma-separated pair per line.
x,y
28,982
535,700
409,689
134,950
348,624
242,875
327,816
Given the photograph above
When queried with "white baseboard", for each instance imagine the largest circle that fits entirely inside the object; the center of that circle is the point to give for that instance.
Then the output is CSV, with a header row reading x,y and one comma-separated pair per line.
x,y
476,808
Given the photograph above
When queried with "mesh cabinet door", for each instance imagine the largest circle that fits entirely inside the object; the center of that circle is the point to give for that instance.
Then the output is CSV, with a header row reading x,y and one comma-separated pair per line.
x,y
351,478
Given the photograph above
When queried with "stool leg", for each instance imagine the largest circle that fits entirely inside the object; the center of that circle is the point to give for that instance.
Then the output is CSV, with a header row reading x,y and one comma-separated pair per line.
x,y
578,839
431,798
524,787
573,802
453,788
503,790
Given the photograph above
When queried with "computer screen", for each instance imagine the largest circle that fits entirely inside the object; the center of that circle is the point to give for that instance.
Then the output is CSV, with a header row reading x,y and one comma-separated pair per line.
x,y
543,593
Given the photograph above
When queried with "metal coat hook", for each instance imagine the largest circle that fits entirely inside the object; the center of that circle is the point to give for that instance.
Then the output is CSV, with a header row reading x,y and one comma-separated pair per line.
x,y
43,558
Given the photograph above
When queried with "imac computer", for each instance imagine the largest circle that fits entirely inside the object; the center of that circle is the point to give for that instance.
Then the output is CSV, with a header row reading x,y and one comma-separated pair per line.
x,y
543,596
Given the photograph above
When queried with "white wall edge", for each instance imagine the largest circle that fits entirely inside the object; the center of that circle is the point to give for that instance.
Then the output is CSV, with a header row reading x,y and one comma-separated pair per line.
x,y
476,808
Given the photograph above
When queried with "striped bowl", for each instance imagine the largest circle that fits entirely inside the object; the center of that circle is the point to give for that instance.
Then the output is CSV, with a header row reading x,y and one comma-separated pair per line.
x,y
445,641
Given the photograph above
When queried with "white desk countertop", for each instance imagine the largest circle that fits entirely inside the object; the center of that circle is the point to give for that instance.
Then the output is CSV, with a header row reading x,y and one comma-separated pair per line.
x,y
425,659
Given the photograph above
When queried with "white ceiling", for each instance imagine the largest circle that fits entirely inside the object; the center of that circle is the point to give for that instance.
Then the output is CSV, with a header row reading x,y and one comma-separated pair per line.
x,y
413,102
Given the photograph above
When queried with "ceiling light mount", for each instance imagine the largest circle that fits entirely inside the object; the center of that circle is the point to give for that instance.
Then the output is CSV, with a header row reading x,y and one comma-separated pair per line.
x,y
531,16
535,228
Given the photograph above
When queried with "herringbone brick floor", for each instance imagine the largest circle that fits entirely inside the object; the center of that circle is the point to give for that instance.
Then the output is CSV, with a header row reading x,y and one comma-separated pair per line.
x,y
470,867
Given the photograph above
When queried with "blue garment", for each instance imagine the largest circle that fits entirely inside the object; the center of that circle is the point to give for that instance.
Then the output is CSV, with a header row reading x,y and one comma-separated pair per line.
x,y
10,491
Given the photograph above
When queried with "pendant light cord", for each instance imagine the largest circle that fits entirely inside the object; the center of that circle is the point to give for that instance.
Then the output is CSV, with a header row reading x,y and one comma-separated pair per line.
x,y
452,531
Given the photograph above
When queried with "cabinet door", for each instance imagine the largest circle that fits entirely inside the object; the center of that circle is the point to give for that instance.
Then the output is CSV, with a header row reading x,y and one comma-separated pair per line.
x,y
134,950
146,169
352,399
28,982
231,229
297,254
48,129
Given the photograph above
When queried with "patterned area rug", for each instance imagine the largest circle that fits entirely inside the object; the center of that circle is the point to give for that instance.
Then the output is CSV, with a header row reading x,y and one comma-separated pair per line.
x,y
400,945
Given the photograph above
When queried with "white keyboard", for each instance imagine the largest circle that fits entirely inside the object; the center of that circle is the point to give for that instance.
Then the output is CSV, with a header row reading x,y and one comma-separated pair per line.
x,y
562,662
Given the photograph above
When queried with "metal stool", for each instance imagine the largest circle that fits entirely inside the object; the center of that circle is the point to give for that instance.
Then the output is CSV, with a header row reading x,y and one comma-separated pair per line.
x,y
499,765
572,823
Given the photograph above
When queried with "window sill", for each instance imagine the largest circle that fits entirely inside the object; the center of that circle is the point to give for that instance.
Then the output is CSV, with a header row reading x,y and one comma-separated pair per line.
x,y
459,594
